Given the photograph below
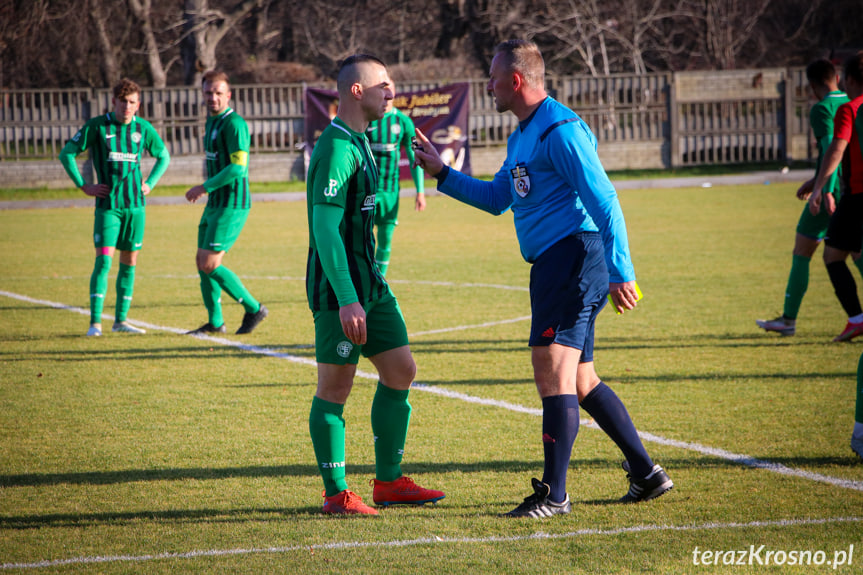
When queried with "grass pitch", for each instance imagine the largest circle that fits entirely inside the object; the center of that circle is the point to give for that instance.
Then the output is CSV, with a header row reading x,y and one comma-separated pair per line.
x,y
166,453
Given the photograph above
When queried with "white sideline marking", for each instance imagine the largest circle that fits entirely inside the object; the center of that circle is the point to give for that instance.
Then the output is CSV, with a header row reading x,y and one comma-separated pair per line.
x,y
475,326
435,540
741,459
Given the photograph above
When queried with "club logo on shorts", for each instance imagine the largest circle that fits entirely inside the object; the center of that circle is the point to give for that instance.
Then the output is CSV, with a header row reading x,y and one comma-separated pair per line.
x,y
520,180
97,238
369,202
344,348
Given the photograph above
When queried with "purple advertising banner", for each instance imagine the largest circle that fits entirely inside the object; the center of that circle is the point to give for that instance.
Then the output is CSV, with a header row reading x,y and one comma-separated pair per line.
x,y
441,114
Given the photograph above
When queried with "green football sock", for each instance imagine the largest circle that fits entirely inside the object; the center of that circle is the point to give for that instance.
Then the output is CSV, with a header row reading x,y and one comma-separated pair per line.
x,y
125,287
212,294
858,413
327,428
391,414
798,282
232,285
384,246
98,287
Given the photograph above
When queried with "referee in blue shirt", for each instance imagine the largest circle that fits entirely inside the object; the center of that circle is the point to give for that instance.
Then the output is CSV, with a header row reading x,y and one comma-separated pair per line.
x,y
571,228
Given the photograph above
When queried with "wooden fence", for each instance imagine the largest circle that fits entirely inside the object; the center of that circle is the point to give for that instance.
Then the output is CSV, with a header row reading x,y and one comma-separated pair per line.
x,y
702,117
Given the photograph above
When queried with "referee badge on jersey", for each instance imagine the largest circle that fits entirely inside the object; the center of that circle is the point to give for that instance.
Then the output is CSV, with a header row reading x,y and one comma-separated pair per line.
x,y
520,180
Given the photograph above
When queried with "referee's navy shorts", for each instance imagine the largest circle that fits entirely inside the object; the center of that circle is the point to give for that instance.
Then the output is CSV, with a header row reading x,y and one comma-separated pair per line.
x,y
568,289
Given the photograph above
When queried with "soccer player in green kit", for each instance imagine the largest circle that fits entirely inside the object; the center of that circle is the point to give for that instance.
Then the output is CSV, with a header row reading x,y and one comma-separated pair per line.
x,y
387,136
115,141
823,82
354,310
226,144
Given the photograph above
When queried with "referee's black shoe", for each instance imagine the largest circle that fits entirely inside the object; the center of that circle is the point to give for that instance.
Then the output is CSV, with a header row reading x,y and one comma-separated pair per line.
x,y
251,320
644,489
538,504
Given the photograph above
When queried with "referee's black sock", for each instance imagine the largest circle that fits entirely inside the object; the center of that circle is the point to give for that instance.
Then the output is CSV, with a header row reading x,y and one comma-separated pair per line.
x,y
559,429
610,414
845,287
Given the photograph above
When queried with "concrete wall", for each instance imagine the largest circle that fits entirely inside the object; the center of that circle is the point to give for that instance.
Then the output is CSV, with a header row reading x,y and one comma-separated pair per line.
x,y
278,167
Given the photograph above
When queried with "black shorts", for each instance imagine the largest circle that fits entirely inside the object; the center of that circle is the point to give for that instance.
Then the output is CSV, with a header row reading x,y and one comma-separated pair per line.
x,y
845,231
568,289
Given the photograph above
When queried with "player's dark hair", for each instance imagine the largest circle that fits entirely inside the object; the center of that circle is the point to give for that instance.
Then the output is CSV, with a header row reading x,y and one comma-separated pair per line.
x,y
524,57
853,67
214,76
347,69
821,72
126,87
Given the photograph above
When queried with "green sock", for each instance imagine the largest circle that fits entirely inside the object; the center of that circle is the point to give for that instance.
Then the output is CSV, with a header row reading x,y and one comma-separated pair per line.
x,y
798,282
327,428
98,287
212,294
125,287
384,246
232,285
391,414
858,414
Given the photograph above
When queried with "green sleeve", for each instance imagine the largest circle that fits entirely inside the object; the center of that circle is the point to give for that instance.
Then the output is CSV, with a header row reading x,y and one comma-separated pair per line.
x,y
416,172
326,219
230,173
159,151
821,120
69,153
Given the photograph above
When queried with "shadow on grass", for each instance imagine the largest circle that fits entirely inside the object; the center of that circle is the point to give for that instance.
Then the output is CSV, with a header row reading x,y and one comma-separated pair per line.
x,y
153,354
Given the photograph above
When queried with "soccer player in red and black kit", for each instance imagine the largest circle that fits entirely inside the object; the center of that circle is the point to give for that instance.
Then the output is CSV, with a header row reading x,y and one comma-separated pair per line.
x,y
845,233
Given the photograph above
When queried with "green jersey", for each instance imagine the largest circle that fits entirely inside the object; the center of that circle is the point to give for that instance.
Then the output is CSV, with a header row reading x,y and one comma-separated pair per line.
x,y
341,265
226,145
821,119
115,149
387,136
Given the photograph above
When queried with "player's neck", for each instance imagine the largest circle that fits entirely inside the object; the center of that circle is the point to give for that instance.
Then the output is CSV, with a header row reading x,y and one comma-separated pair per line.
x,y
356,121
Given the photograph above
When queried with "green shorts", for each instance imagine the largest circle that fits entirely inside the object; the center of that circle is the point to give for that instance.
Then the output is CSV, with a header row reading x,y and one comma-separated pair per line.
x,y
386,208
220,228
385,329
814,227
121,228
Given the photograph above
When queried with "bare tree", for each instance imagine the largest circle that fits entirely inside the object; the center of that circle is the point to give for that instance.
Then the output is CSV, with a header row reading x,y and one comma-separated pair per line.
x,y
203,28
143,11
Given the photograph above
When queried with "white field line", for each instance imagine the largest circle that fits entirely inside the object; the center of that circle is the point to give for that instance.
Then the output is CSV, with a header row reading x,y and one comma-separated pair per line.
x,y
738,458
434,540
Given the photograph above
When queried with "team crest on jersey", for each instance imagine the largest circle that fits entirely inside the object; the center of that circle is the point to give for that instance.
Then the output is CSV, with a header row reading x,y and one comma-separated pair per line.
x,y
214,133
396,129
520,180
344,348
136,137
369,203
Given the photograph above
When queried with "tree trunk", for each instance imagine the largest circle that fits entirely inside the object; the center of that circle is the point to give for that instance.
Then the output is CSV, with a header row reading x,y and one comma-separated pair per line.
x,y
142,11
